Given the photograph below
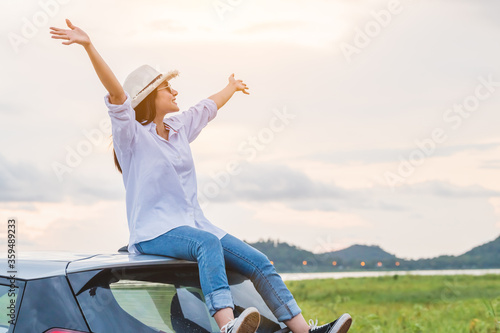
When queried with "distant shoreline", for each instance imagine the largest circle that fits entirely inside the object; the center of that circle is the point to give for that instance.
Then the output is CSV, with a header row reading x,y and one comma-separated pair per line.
x,y
360,274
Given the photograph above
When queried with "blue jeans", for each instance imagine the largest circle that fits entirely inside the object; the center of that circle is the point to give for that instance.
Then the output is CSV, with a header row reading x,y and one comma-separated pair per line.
x,y
213,255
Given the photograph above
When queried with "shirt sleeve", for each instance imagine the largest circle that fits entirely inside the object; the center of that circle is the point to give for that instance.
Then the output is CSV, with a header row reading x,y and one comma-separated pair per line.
x,y
123,123
197,117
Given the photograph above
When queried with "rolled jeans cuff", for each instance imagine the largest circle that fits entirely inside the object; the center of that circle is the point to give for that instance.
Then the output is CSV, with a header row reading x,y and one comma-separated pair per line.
x,y
219,299
287,311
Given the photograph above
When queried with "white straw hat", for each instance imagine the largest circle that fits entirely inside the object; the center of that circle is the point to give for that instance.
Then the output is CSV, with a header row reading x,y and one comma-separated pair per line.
x,y
142,81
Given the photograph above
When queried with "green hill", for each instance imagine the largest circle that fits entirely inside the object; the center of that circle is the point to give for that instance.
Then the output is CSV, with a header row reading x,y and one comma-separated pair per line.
x,y
361,252
290,258
484,256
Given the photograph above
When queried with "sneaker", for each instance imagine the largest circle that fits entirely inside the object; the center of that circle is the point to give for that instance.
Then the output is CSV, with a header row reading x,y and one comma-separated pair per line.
x,y
341,325
247,322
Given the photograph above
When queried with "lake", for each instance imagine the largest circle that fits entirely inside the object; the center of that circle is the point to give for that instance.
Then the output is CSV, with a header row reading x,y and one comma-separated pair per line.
x,y
341,275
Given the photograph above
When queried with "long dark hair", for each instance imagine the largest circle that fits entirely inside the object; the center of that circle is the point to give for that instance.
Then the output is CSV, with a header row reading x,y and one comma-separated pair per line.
x,y
145,113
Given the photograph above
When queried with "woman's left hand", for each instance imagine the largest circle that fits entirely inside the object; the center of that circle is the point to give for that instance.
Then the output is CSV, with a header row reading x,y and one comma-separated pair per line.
x,y
225,94
238,84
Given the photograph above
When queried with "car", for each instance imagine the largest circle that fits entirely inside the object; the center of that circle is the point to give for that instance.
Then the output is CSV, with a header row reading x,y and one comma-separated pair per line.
x,y
56,292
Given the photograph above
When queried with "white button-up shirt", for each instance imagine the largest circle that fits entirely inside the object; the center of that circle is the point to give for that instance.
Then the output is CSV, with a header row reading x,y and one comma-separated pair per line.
x,y
159,175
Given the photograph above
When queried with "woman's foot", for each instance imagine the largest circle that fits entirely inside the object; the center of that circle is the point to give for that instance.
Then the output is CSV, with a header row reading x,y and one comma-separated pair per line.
x,y
341,325
247,322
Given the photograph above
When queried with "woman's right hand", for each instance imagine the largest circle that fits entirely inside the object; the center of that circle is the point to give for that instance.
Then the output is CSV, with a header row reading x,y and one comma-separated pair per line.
x,y
108,79
74,35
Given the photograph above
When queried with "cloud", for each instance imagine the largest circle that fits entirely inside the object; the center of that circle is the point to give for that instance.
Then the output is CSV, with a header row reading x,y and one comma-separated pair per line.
x,y
270,26
487,11
25,182
495,202
281,214
92,228
491,164
169,25
280,183
390,155
444,189
268,182
7,108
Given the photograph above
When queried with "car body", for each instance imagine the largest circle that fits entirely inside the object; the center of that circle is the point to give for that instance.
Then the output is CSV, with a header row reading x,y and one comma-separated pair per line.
x,y
111,293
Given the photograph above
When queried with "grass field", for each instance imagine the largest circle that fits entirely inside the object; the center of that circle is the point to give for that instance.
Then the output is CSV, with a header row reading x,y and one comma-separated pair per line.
x,y
405,303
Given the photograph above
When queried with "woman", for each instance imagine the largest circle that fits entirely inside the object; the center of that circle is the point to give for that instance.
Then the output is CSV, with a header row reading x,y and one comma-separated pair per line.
x,y
152,153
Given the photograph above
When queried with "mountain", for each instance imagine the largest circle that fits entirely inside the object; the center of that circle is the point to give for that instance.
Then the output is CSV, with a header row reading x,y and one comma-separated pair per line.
x,y
483,256
361,252
487,255
290,258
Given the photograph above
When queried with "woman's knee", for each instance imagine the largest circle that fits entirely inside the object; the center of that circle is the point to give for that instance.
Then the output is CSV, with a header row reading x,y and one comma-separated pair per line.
x,y
210,244
266,264
261,259
261,266
246,259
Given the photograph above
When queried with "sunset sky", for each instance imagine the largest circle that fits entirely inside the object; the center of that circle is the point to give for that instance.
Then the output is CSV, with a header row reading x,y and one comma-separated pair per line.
x,y
369,122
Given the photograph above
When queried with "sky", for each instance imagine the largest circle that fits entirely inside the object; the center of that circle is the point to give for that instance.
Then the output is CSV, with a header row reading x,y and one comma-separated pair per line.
x,y
368,122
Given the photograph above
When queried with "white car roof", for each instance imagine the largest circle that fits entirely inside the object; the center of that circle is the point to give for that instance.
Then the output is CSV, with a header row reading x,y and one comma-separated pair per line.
x,y
37,265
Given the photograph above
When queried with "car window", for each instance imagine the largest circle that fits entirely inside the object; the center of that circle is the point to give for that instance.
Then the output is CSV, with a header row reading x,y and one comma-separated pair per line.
x,y
164,306
8,299
46,303
167,299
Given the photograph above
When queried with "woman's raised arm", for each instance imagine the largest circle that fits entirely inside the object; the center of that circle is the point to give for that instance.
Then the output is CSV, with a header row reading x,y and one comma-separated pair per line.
x,y
225,94
108,79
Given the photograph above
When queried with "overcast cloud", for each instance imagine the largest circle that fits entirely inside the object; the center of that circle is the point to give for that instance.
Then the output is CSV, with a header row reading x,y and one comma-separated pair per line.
x,y
322,181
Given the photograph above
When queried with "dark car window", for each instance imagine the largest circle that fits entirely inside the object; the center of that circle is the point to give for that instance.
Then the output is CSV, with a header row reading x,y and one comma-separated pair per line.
x,y
48,303
7,297
166,299
8,300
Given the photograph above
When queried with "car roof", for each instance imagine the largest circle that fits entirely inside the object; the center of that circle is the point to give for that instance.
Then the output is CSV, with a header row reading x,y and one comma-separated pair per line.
x,y
37,265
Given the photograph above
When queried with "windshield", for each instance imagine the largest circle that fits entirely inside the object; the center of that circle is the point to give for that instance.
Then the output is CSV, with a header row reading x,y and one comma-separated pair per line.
x,y
166,299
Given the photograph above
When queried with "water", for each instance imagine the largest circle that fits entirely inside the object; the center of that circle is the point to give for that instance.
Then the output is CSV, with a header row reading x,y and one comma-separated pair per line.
x,y
341,275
